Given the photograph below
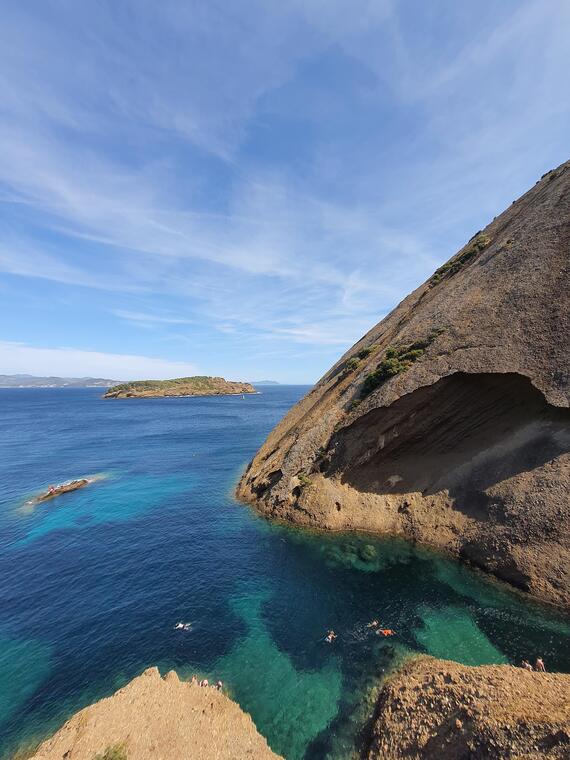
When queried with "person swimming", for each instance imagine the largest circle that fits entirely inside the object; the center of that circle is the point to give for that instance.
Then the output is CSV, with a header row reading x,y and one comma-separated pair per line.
x,y
183,627
330,637
385,632
373,624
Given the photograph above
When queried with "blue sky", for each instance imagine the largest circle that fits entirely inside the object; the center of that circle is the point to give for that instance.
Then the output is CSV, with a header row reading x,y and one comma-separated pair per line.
x,y
245,188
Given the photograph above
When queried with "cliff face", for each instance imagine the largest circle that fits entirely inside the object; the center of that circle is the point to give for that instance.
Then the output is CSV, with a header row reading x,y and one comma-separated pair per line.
x,y
444,711
449,422
154,717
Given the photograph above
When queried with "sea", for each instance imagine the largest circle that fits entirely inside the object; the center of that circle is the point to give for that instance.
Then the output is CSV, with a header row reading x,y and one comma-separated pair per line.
x,y
93,583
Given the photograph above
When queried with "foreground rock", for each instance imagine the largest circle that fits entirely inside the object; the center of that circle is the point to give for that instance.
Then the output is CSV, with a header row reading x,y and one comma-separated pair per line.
x,y
156,718
444,711
200,385
448,423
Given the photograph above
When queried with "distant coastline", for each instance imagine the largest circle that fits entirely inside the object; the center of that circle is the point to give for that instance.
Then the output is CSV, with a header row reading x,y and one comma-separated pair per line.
x,y
34,381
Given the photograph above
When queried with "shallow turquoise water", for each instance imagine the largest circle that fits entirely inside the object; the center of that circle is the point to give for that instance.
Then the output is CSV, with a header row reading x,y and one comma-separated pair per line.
x,y
93,582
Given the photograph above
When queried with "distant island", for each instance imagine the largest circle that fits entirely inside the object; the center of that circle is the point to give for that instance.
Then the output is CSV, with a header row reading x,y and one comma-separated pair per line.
x,y
199,385
32,381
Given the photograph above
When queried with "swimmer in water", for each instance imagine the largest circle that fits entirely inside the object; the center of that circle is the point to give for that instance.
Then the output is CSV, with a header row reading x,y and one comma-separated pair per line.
x,y
385,632
330,637
373,624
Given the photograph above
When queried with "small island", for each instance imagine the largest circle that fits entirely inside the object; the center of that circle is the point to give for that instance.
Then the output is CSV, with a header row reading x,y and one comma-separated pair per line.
x,y
200,385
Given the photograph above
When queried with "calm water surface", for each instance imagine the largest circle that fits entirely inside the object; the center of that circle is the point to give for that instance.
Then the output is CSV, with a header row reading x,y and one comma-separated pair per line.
x,y
93,583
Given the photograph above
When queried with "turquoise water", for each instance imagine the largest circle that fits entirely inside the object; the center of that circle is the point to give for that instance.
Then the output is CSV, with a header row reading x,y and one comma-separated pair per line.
x,y
94,582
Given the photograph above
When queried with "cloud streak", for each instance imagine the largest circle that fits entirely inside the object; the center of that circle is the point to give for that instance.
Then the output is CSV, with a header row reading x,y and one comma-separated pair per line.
x,y
280,173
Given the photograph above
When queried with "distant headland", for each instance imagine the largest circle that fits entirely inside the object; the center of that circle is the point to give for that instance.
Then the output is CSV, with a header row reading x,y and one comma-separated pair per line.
x,y
32,381
200,385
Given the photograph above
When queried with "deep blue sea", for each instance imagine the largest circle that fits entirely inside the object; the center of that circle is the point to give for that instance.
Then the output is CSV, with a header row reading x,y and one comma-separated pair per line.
x,y
93,582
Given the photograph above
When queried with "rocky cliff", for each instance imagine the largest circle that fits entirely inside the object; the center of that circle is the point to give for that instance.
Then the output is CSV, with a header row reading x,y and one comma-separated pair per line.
x,y
156,718
436,710
449,422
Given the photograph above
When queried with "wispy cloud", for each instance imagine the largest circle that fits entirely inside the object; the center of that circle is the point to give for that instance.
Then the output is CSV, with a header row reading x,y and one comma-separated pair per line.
x,y
275,173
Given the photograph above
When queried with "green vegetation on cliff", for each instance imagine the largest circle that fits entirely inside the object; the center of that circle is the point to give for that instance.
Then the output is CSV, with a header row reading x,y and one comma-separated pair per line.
x,y
397,360
477,244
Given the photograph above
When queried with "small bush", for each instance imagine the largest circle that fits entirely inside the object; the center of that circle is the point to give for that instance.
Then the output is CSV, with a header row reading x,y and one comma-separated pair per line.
x,y
365,352
451,267
352,364
112,752
304,480
397,360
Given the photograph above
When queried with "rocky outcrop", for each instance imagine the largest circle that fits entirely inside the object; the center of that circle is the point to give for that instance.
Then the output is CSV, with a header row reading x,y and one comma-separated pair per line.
x,y
449,422
436,710
154,717
200,385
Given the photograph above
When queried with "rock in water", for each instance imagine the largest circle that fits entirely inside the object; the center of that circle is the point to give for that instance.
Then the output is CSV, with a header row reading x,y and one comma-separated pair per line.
x,y
449,422
154,717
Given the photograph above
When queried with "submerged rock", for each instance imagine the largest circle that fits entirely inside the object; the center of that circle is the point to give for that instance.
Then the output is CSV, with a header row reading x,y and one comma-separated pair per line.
x,y
449,422
367,553
154,717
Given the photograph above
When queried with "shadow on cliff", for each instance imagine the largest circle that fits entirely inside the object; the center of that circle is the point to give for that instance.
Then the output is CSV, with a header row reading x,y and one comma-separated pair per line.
x,y
464,434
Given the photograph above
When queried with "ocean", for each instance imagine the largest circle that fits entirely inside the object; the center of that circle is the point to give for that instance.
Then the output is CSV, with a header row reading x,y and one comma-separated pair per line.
x,y
94,582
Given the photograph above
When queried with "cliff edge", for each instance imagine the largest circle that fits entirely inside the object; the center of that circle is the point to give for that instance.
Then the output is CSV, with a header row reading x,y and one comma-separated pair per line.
x,y
438,710
154,717
449,422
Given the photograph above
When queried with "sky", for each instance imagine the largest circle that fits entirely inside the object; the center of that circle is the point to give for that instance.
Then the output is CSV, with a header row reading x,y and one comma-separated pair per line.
x,y
245,188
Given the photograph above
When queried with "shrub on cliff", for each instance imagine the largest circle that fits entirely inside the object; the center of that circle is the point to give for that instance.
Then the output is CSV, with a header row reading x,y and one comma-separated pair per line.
x,y
397,360
112,752
475,246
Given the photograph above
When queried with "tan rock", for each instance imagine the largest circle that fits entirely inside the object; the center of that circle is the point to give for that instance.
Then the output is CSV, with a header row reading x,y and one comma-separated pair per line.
x,y
489,712
158,718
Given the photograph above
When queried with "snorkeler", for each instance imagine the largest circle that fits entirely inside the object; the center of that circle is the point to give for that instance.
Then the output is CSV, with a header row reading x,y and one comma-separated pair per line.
x,y
385,632
330,637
